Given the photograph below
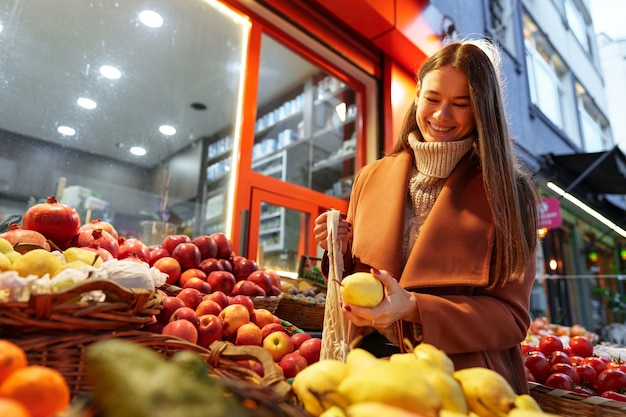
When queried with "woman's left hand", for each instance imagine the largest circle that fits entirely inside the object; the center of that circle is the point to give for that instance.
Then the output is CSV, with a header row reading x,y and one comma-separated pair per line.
x,y
397,304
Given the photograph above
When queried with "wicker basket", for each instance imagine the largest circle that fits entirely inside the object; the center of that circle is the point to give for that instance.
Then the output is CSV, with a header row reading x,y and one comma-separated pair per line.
x,y
123,308
571,404
271,394
66,353
302,313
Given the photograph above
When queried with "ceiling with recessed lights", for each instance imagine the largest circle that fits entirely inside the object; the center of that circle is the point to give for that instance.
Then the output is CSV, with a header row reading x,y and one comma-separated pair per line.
x,y
133,81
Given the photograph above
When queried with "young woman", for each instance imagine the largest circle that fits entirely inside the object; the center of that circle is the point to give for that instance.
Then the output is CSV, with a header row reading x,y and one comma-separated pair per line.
x,y
447,222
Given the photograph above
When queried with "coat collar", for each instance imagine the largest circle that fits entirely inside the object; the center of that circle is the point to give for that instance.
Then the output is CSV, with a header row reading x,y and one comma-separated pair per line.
x,y
441,255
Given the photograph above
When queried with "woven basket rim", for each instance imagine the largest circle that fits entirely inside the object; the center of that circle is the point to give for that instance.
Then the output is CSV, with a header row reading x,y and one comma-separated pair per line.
x,y
124,308
572,404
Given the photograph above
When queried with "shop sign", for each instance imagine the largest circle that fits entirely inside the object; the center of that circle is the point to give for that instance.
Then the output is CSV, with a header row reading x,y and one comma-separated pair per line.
x,y
550,213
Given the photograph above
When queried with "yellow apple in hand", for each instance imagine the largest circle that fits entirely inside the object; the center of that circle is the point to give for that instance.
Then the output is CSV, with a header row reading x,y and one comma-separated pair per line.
x,y
362,289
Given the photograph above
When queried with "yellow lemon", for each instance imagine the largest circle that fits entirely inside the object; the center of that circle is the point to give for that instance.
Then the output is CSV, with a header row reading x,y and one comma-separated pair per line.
x,y
5,246
13,255
85,256
37,262
5,262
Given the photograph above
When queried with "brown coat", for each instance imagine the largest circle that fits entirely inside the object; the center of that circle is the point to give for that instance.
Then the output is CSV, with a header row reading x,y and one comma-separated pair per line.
x,y
449,266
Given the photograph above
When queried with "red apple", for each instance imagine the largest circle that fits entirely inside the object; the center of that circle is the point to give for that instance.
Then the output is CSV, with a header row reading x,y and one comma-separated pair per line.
x,y
243,267
183,329
186,313
170,305
262,316
191,273
219,297
207,246
133,249
249,334
262,279
171,241
274,276
278,344
257,367
221,281
187,254
224,245
154,327
190,296
248,288
199,285
157,253
169,266
234,316
311,349
298,338
226,265
274,291
208,307
271,328
292,363
244,300
209,330
209,265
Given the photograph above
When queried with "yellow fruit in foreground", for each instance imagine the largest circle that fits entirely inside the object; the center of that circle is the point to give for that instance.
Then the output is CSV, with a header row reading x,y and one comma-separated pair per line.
x,y
5,262
85,256
5,246
448,388
434,355
334,411
518,412
375,409
488,393
362,289
316,385
37,262
526,402
13,255
392,384
359,358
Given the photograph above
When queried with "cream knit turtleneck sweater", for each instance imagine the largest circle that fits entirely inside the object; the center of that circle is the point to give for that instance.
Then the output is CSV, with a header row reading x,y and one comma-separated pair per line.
x,y
434,161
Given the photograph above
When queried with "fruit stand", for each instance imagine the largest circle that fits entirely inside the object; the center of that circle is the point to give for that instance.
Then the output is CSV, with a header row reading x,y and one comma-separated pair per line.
x,y
118,324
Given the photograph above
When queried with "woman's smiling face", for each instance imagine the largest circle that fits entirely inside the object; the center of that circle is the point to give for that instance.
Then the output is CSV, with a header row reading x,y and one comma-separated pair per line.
x,y
444,112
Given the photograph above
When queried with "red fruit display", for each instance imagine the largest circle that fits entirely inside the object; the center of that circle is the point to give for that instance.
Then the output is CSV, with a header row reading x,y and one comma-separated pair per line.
x,y
99,224
221,281
262,279
209,265
56,221
292,363
187,254
191,296
171,241
233,317
183,329
186,314
17,235
311,349
549,343
198,284
243,267
133,248
169,266
224,245
249,334
581,346
209,330
104,240
207,246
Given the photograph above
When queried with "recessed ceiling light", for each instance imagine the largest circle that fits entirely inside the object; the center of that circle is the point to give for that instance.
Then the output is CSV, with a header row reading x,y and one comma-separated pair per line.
x,y
66,131
137,150
110,72
86,103
151,19
167,130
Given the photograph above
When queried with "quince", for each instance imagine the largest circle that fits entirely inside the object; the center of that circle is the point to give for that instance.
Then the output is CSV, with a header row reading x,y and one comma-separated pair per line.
x,y
362,289
5,262
5,246
37,262
85,256
316,385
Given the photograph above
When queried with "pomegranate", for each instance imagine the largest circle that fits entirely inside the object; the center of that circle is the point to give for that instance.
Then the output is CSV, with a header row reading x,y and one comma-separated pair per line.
x,y
99,224
17,235
56,221
104,239
94,246
133,248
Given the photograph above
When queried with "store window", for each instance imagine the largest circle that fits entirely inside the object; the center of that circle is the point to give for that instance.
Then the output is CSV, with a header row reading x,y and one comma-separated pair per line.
x,y
594,126
501,15
305,131
547,76
577,25
123,112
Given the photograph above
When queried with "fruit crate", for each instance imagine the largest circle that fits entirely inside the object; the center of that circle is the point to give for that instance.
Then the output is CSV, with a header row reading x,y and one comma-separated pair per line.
x,y
309,270
301,313
270,395
570,404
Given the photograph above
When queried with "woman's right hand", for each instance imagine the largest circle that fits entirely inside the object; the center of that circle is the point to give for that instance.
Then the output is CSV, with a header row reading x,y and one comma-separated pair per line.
x,y
321,231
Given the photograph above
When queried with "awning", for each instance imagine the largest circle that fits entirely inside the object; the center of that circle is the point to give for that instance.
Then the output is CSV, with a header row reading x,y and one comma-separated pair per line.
x,y
597,172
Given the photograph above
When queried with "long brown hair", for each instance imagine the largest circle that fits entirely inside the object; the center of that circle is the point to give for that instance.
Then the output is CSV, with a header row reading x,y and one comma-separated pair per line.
x,y
510,190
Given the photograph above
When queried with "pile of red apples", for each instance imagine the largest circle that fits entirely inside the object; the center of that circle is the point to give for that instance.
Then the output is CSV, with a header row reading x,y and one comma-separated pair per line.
x,y
215,302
